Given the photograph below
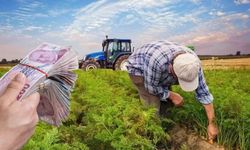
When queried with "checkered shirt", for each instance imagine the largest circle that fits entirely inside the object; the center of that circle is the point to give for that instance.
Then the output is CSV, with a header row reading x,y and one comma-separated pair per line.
x,y
153,61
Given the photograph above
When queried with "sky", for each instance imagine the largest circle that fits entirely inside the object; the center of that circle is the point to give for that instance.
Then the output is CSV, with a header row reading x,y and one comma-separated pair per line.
x,y
214,27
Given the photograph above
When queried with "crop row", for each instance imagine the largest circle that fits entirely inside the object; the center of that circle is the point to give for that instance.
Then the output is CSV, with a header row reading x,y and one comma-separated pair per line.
x,y
106,113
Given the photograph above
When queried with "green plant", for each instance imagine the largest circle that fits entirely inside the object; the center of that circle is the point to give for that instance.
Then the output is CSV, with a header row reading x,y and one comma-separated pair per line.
x,y
232,103
106,114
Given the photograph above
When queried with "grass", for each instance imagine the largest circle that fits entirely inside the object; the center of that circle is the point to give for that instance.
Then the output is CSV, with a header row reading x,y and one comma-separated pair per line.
x,y
232,103
106,114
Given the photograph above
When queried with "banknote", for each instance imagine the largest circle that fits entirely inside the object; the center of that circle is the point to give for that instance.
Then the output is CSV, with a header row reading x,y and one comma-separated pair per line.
x,y
49,71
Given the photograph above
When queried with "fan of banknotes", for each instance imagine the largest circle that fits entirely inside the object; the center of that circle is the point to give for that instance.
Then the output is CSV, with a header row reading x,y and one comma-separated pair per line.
x,y
49,71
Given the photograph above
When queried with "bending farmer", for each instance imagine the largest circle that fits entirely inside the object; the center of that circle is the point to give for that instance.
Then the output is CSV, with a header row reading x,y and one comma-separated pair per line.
x,y
154,67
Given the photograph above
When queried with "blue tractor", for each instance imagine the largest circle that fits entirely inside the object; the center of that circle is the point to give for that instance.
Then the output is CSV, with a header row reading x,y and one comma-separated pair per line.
x,y
113,56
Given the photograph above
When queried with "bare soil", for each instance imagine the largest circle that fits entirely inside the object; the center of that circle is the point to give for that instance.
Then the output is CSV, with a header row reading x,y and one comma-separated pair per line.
x,y
182,139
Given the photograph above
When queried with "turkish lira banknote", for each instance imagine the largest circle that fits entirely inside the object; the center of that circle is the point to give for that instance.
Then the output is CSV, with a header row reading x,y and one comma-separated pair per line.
x,y
49,71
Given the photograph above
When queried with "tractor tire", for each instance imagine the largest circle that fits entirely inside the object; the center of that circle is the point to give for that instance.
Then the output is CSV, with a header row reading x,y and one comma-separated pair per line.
x,y
90,64
121,63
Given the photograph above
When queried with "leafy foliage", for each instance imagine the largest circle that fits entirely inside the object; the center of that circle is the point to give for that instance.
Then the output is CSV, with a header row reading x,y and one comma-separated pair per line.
x,y
110,117
230,89
106,114
191,47
3,71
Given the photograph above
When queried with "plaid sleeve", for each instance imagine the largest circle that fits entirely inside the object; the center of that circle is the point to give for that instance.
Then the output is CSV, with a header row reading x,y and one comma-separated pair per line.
x,y
202,92
152,75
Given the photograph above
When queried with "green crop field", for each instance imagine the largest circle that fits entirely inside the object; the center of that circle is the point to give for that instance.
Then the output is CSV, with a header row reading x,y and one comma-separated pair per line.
x,y
106,113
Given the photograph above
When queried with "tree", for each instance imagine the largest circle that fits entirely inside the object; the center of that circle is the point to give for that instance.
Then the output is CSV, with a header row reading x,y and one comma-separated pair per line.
x,y
4,61
238,53
15,61
191,47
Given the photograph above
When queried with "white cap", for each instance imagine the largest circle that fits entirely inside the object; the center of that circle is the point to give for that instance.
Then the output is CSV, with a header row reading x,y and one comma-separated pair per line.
x,y
186,67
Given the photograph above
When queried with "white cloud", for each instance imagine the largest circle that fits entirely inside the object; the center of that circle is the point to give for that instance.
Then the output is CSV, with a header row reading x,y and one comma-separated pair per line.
x,y
214,12
228,32
39,15
27,9
58,12
32,28
8,28
220,13
150,22
100,18
148,17
142,21
238,2
196,1
35,4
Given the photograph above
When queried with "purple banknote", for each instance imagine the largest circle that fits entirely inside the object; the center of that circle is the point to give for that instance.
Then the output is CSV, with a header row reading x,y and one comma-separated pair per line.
x,y
49,71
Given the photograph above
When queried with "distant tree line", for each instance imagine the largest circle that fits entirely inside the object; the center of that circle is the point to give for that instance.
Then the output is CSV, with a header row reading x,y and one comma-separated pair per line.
x,y
238,53
5,61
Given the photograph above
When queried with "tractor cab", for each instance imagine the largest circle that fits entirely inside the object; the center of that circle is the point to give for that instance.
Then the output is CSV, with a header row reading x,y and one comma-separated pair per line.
x,y
114,55
115,48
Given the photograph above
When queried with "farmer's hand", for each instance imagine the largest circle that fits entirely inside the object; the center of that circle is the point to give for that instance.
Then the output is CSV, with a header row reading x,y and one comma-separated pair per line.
x,y
17,118
212,132
176,99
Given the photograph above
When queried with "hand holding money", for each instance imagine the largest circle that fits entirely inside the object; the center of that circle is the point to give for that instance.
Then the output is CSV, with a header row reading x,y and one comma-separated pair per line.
x,y
17,118
49,71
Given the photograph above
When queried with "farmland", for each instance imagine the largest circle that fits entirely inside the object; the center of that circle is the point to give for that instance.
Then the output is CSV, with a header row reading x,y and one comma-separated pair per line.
x,y
226,63
106,113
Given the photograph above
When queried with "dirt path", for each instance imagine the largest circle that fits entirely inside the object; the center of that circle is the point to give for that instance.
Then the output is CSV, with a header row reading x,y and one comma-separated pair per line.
x,y
183,140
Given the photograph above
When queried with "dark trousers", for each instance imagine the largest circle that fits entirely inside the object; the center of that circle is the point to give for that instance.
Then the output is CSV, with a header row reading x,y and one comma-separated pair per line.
x,y
150,99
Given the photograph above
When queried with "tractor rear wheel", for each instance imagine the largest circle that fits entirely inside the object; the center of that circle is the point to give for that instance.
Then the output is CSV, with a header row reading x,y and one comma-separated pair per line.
x,y
121,63
90,64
